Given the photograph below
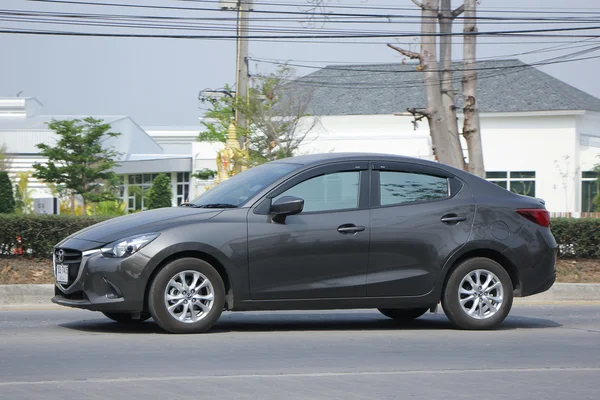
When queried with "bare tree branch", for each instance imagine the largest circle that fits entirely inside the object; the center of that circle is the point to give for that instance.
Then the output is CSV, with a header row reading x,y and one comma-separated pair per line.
x,y
410,54
458,11
418,3
418,115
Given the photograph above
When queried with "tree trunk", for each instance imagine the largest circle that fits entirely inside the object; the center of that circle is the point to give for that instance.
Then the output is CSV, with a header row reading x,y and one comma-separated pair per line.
x,y
72,203
446,20
471,128
446,149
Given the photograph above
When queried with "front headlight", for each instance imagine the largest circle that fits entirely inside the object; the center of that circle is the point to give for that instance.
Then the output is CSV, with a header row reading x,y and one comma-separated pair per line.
x,y
128,246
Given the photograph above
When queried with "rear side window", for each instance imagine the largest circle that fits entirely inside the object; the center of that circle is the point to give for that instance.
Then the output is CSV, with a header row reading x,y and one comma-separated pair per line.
x,y
407,187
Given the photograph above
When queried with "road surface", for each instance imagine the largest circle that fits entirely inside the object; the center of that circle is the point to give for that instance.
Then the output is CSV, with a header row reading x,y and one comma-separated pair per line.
x,y
542,351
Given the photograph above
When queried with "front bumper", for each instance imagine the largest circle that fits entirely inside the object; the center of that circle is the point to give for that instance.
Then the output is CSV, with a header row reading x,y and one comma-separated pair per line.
x,y
105,284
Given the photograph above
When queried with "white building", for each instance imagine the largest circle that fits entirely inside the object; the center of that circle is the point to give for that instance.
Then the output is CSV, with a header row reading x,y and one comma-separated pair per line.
x,y
141,158
541,137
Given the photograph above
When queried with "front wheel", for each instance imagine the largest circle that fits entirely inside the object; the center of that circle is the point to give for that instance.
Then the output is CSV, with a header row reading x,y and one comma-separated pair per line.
x,y
403,314
478,294
186,296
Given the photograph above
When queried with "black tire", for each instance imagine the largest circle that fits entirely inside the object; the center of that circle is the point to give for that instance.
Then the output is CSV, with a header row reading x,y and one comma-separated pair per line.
x,y
156,297
451,297
126,318
403,314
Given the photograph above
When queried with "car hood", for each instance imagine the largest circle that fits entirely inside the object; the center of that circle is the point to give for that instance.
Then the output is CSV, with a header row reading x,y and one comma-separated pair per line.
x,y
141,222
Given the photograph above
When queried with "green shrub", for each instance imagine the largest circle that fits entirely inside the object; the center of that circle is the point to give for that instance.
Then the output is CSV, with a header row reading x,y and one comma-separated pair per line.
x,y
7,199
39,233
160,192
577,238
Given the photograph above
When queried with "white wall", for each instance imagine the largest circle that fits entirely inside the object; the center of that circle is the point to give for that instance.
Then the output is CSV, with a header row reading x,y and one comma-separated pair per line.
x,y
367,133
546,144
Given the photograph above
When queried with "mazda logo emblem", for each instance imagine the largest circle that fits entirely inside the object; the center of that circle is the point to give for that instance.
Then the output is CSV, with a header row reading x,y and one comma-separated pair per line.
x,y
61,256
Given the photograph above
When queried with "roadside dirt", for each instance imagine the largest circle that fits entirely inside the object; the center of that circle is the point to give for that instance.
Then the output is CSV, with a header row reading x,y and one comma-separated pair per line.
x,y
25,270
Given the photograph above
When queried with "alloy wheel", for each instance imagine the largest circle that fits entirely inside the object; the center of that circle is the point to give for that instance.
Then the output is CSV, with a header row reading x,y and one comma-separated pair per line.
x,y
480,294
189,296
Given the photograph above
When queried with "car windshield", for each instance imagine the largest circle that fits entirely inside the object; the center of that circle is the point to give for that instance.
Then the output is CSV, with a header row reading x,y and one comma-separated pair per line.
x,y
236,190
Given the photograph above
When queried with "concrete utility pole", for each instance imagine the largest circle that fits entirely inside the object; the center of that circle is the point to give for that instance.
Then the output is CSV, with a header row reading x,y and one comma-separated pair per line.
x,y
241,83
243,7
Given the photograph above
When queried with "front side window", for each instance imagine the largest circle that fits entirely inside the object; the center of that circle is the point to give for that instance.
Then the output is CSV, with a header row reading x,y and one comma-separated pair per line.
x,y
330,192
407,187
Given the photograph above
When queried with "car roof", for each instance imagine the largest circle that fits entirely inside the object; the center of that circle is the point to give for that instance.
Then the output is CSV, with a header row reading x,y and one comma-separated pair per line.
x,y
320,158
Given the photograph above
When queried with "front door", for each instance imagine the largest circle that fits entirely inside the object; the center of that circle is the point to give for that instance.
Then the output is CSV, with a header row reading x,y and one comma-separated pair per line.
x,y
421,215
321,252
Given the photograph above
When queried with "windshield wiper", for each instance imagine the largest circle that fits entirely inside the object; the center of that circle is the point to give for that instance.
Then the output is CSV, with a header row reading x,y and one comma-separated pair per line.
x,y
210,205
217,205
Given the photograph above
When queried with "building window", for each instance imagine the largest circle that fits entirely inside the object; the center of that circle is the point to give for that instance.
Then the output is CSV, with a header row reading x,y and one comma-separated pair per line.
x,y
520,182
183,187
589,190
138,186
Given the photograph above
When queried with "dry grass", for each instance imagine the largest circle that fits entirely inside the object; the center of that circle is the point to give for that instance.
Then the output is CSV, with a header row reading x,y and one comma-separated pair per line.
x,y
18,270
578,271
15,270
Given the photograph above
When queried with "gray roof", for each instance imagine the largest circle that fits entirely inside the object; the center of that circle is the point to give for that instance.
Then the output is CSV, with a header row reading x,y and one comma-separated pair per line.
x,y
503,86
40,122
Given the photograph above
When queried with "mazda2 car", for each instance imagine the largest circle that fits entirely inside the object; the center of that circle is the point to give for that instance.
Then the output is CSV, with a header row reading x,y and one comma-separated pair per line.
x,y
328,231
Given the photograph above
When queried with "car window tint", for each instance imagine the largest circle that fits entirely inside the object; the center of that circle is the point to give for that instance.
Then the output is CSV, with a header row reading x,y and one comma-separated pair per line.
x,y
405,187
337,191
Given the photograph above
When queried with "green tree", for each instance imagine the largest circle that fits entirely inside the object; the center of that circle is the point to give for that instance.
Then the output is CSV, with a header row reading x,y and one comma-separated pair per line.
x,y
275,113
23,195
78,161
7,200
4,158
160,192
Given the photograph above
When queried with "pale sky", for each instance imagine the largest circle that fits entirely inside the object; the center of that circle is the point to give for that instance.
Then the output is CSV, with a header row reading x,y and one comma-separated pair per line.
x,y
156,81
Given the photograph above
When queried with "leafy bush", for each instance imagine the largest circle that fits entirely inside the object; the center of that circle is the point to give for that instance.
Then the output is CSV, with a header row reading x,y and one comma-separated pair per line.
x,y
7,200
160,192
39,233
577,238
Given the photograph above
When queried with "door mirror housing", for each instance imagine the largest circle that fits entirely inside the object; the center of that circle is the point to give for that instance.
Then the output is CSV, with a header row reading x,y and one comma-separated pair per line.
x,y
284,206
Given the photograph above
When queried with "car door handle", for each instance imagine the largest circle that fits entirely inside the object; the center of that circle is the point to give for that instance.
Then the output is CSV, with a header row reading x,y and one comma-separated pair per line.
x,y
452,218
350,228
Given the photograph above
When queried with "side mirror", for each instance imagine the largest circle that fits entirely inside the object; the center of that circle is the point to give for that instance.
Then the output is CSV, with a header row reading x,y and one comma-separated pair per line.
x,y
287,205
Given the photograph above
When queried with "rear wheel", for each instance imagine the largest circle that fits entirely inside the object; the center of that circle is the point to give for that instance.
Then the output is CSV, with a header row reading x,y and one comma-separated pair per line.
x,y
478,294
403,314
187,296
127,318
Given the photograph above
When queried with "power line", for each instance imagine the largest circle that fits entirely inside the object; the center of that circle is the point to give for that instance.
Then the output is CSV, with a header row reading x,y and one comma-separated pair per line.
x,y
509,33
315,13
336,20
503,56
554,60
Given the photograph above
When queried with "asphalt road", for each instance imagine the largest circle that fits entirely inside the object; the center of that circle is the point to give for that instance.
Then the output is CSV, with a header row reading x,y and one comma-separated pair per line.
x,y
542,351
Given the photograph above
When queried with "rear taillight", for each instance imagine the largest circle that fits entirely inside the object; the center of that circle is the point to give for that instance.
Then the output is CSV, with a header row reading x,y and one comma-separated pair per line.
x,y
540,216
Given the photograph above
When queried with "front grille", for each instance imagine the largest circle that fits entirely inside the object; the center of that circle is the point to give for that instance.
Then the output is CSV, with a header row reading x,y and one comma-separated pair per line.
x,y
69,257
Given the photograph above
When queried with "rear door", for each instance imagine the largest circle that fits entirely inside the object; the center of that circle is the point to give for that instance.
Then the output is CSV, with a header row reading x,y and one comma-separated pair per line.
x,y
420,215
